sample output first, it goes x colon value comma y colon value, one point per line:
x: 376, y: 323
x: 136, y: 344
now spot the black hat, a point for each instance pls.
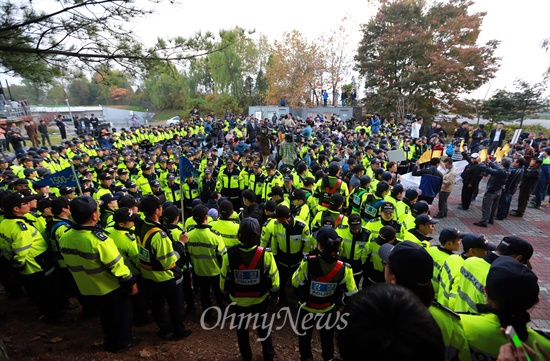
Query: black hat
x: 58, y: 204
x: 207, y: 171
x: 409, y: 262
x: 355, y: 222
x: 476, y: 241
x: 387, y: 207
x: 145, y: 166
x: 419, y: 208
x: 387, y: 233
x: 297, y: 194
x: 225, y: 208
x: 83, y: 206
x: 20, y: 182
x: 328, y: 238
x: 276, y: 191
x: 30, y: 195
x: 513, y: 245
x: 124, y: 214
x: 449, y: 234
x: 412, y: 193
x: 155, y: 184
x: 511, y: 284
x: 249, y: 228
x: 282, y: 212
x: 28, y: 171
x: 424, y: 219
x: 122, y: 171
x: 149, y: 204
x: 171, y: 177
x: 270, y: 206
x: 15, y: 199
x: 131, y: 184
x: 104, y: 176
x: 199, y: 212
x: 43, y: 204
x: 336, y: 200
x: 108, y: 198
x: 66, y: 190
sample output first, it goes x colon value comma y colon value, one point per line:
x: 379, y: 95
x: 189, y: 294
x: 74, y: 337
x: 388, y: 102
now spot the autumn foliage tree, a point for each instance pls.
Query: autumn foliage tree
x: 294, y: 71
x: 423, y: 55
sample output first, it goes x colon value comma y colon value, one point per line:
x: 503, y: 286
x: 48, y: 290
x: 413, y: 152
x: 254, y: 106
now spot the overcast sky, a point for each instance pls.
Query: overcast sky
x: 520, y: 25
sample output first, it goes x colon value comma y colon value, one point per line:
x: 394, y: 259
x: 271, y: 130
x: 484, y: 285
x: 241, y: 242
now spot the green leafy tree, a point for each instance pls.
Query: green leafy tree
x: 293, y: 70
x: 40, y: 43
x: 526, y: 100
x: 165, y: 88
x: 79, y: 91
x: 416, y: 54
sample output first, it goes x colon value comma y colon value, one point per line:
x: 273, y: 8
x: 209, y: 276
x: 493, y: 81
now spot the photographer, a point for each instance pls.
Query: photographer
x: 15, y: 138
x: 463, y: 132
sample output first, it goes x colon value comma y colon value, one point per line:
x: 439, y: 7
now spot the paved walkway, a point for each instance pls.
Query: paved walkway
x: 533, y: 227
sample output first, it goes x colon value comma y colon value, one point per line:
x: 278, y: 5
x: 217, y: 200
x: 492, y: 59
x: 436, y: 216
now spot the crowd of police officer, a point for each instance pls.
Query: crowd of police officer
x: 136, y: 236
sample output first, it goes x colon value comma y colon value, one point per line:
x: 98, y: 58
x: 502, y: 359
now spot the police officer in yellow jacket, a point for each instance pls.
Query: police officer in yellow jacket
x: 230, y: 183
x: 471, y: 291
x: 100, y: 274
x: 512, y: 289
x: 409, y: 264
x: 27, y: 251
x: 424, y: 226
x: 450, y: 242
x: 355, y: 240
x: 473, y: 245
x: 290, y: 240
x: 159, y: 269
x: 227, y: 226
x: 321, y: 279
x: 206, y: 248
x: 249, y: 276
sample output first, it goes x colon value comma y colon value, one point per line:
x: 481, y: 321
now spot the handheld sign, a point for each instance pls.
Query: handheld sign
x: 64, y: 178
x: 186, y: 169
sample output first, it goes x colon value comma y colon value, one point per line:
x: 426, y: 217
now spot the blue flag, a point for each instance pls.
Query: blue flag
x: 186, y: 169
x: 64, y: 178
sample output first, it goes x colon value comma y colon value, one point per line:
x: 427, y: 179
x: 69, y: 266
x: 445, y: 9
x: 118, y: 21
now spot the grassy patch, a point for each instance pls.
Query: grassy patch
x: 167, y: 114
x: 135, y: 108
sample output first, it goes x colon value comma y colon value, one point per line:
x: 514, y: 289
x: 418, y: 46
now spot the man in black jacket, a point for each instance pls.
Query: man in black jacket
x: 251, y: 208
x: 472, y: 175
x: 516, y: 174
x: 477, y: 137
x: 43, y: 129
x: 497, y: 137
x: 527, y: 186
x: 495, y: 185
x: 463, y: 132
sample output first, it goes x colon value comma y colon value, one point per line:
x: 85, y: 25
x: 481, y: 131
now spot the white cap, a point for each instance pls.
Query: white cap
x: 474, y: 155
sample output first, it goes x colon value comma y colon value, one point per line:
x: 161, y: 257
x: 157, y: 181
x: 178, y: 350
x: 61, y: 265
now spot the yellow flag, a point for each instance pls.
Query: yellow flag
x: 426, y: 157
x: 499, y: 154
x: 483, y: 155
x: 437, y: 153
x: 505, y: 149
x: 462, y: 146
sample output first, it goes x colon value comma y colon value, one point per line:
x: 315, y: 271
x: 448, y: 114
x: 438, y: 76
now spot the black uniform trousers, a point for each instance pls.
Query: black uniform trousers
x: 243, y: 334
x: 285, y: 275
x: 115, y: 315
x: 326, y: 322
x: 466, y: 195
x: 206, y: 284
x: 168, y: 292
x: 46, y: 292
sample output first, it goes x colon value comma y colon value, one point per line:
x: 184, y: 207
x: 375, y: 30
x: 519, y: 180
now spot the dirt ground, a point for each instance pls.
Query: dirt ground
x: 28, y: 338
